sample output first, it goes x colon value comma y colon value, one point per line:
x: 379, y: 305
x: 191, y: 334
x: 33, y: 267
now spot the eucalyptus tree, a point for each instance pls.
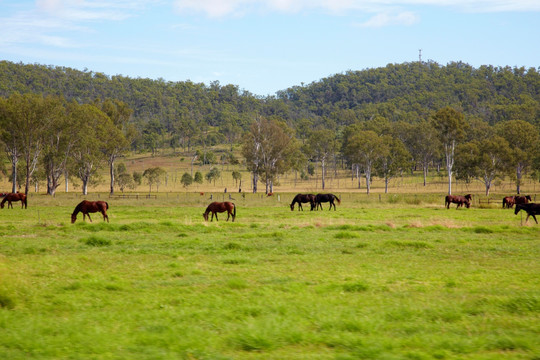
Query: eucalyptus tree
x: 393, y: 159
x: 58, y: 143
x: 524, y: 139
x: 93, y: 129
x: 484, y: 159
x: 25, y: 119
x: 450, y: 126
x: 119, y: 139
x: 153, y: 176
x: 267, y: 148
x: 365, y: 148
x: 321, y: 145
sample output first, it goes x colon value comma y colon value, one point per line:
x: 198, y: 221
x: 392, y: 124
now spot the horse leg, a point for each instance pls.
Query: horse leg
x: 105, y: 217
x: 534, y: 217
x: 300, y: 206
x: 228, y: 215
x: 89, y: 218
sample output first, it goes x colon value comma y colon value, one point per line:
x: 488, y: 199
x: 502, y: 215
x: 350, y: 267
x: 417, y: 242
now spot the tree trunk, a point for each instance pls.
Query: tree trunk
x: 255, y: 180
x: 14, y: 162
x: 322, y: 176
x: 111, y: 171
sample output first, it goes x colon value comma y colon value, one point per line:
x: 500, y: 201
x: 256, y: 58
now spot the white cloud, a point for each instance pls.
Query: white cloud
x: 386, y: 19
x: 221, y: 8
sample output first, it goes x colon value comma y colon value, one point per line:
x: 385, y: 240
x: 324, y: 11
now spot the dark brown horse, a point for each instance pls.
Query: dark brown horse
x: 459, y: 200
x: 87, y: 207
x: 14, y: 197
x: 532, y: 209
x: 522, y: 199
x: 320, y: 198
x: 303, y: 198
x: 220, y: 207
x: 508, y: 202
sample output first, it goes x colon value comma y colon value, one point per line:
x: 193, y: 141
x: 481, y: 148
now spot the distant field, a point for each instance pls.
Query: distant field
x: 176, y: 164
x: 396, y: 277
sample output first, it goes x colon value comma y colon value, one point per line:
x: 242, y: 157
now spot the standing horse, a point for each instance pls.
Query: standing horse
x: 87, y: 207
x: 522, y: 199
x: 220, y: 207
x: 320, y: 198
x: 303, y: 198
x: 14, y: 197
x: 459, y: 200
x: 508, y: 202
x: 532, y: 209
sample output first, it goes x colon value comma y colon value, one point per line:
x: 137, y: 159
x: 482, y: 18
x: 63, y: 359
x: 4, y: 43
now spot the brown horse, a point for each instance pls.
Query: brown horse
x: 87, y: 207
x: 320, y: 198
x: 508, y: 202
x: 220, y: 207
x: 532, y: 209
x: 459, y: 200
x: 303, y: 198
x: 522, y: 199
x: 14, y: 197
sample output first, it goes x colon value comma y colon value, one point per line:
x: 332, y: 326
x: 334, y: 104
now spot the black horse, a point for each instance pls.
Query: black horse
x: 532, y: 209
x: 303, y: 198
x: 320, y: 198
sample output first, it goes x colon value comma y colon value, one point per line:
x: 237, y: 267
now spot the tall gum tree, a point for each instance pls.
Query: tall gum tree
x: 267, y: 148
x: 450, y: 125
x: 524, y: 139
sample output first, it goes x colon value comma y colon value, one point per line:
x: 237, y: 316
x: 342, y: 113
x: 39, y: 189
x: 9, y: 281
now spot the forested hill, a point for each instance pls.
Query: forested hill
x: 412, y: 90
x: 407, y: 92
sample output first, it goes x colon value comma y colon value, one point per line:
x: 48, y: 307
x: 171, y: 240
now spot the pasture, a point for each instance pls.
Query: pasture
x: 391, y: 277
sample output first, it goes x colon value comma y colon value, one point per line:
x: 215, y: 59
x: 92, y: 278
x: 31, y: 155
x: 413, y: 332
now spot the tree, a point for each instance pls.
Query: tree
x: 365, y: 148
x: 153, y: 176
x: 24, y: 120
x: 237, y: 176
x: 267, y: 148
x: 198, y: 178
x: 186, y: 180
x: 450, y: 125
x: 92, y: 126
x: 58, y: 143
x: 524, y: 140
x: 393, y: 159
x: 213, y: 175
x: 494, y: 159
x: 321, y: 144
x: 118, y: 140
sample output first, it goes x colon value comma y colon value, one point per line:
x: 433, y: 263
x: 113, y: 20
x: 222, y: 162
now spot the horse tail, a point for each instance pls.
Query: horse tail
x: 234, y: 211
x: 106, y: 205
x: 338, y: 201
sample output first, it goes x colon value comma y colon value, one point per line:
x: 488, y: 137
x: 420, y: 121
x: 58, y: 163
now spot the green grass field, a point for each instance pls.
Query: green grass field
x: 395, y: 277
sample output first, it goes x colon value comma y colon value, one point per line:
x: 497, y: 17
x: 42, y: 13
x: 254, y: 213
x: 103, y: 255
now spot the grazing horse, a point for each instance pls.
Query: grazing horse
x: 532, y: 209
x: 522, y: 199
x: 320, y: 198
x: 508, y: 202
x: 303, y: 198
x: 220, y: 207
x: 14, y: 197
x: 459, y: 200
x: 87, y: 207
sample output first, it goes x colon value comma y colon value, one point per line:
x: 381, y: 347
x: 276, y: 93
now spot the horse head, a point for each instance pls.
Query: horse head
x: 73, y: 218
x: 205, y: 216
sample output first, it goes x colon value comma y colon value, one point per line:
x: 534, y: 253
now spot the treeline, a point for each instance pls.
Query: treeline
x: 478, y: 123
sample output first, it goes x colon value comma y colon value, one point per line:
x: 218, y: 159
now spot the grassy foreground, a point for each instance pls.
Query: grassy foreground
x: 390, y: 278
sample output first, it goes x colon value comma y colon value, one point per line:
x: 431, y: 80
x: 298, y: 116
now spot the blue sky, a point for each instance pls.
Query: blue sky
x: 265, y: 45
